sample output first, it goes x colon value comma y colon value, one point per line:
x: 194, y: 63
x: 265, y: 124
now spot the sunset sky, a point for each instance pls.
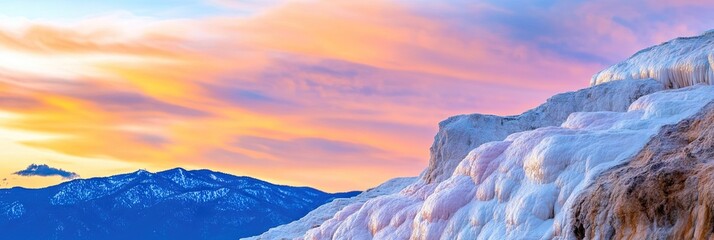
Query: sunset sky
x: 338, y: 95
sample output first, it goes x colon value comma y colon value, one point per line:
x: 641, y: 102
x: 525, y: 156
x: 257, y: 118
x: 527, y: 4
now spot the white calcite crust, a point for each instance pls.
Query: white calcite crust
x: 316, y: 217
x: 460, y: 134
x: 522, y: 186
x: 681, y: 62
x: 517, y: 177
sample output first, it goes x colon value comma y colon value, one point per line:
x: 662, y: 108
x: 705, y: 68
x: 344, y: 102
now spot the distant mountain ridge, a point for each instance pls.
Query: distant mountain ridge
x: 172, y: 204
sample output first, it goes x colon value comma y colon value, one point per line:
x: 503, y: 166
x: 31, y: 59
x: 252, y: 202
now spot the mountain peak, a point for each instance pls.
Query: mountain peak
x: 142, y: 172
x: 178, y: 170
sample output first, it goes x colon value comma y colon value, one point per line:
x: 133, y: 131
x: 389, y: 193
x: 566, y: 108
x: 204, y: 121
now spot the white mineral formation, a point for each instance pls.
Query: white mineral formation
x: 681, y: 62
x: 460, y: 134
x: 622, y: 159
x: 523, y: 186
x: 316, y: 217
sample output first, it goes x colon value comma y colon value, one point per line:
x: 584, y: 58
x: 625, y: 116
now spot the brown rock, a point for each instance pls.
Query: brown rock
x: 665, y: 192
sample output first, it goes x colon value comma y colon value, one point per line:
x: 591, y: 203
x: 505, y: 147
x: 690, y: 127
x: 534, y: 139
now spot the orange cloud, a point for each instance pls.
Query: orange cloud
x: 302, y: 92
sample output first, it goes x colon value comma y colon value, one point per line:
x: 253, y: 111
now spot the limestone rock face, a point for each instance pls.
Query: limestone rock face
x: 630, y: 159
x: 522, y: 187
x: 665, y: 192
x: 460, y: 134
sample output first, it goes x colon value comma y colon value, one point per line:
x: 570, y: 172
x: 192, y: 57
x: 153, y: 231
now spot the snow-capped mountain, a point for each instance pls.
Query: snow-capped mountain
x: 628, y: 159
x: 173, y: 204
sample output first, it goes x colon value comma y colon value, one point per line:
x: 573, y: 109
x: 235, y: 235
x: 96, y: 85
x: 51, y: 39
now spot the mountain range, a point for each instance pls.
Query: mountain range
x: 172, y: 204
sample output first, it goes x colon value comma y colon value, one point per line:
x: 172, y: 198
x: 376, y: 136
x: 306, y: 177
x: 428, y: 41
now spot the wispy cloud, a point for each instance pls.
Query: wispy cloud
x: 43, y: 170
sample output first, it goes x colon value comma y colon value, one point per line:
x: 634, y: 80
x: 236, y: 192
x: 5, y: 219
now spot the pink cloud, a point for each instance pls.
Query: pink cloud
x: 356, y: 84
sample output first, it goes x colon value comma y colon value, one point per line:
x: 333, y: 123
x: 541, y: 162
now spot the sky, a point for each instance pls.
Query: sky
x: 334, y: 94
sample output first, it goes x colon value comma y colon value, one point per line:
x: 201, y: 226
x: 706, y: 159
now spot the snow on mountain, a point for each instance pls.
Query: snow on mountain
x: 325, y: 212
x: 681, y: 62
x: 12, y: 210
x: 173, y: 204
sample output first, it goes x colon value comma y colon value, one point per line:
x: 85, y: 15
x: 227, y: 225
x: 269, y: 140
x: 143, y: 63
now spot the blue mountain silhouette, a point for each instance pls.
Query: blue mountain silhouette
x: 173, y: 204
